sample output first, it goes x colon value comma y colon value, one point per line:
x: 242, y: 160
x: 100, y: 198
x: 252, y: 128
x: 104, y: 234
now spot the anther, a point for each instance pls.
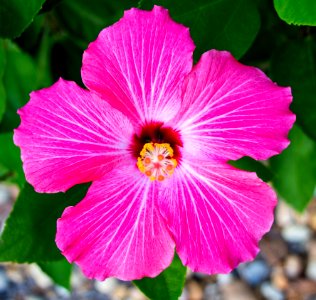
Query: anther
x: 156, y: 161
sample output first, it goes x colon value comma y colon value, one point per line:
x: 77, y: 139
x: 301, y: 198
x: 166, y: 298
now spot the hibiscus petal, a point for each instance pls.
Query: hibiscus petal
x: 117, y: 229
x: 231, y: 110
x: 217, y: 215
x: 139, y: 63
x: 67, y: 137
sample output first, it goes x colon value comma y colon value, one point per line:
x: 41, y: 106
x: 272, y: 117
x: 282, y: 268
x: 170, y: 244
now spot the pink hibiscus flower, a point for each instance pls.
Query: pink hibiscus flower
x: 154, y: 134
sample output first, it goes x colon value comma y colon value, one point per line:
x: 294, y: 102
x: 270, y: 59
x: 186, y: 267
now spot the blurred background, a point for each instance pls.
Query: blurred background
x: 41, y: 41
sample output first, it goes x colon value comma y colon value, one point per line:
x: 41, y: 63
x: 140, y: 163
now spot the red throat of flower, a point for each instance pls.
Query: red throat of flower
x: 157, y: 150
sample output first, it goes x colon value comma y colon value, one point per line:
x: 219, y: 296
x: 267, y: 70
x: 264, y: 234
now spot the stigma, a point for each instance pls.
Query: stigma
x: 156, y: 161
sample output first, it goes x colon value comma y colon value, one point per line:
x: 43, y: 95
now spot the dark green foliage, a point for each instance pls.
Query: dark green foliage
x: 216, y: 24
x: 295, y: 170
x: 29, y: 233
x: 248, y: 164
x: 11, y: 164
x: 2, y: 91
x: 294, y: 65
x: 16, y: 15
x: 168, y: 285
x: 59, y: 271
x: 19, y: 80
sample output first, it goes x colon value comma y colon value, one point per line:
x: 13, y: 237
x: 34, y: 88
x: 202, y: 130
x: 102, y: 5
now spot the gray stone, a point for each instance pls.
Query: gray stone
x: 296, y: 234
x: 106, y: 287
x: 255, y: 272
x: 3, y: 281
x: 270, y: 292
x: 293, y: 266
x: 311, y: 269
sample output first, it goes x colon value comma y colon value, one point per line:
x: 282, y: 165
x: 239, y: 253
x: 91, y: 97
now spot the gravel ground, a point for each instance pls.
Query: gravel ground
x: 284, y: 269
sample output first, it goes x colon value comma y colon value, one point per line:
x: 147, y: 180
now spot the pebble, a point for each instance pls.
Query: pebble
x: 312, y: 249
x: 293, y: 266
x: 278, y: 278
x: 273, y: 248
x: 79, y: 282
x: 312, y: 221
x: 199, y: 276
x: 185, y: 294
x: 5, y: 204
x: 94, y: 295
x: 284, y: 215
x: 135, y: 294
x: 254, y: 273
x: 312, y: 214
x: 296, y: 234
x: 223, y: 279
x: 211, y: 291
x: 76, y: 279
x: 302, y: 289
x: 236, y: 290
x: 40, y: 278
x: 270, y: 292
x: 16, y: 273
x: 311, y: 269
x: 4, y: 194
x: 62, y: 292
x: 107, y: 286
x: 311, y: 261
x: 4, y: 283
x: 121, y: 292
x: 195, y: 291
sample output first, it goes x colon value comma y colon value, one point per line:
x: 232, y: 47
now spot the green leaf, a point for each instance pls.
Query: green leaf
x: 30, y: 38
x: 295, y: 170
x: 23, y: 74
x: 59, y: 271
x: 49, y: 5
x: 248, y: 164
x: 10, y: 159
x: 2, y: 91
x: 16, y: 15
x: 67, y: 60
x: 168, y: 285
x: 44, y: 76
x: 297, y: 12
x: 88, y: 18
x: 220, y: 24
x: 271, y: 35
x: 29, y: 233
x: 19, y: 80
x: 294, y: 64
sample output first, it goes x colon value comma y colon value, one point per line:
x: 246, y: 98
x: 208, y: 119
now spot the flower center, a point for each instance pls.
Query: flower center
x: 156, y: 161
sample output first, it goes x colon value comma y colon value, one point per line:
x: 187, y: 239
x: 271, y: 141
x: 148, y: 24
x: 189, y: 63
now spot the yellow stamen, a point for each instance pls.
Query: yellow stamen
x: 156, y: 161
